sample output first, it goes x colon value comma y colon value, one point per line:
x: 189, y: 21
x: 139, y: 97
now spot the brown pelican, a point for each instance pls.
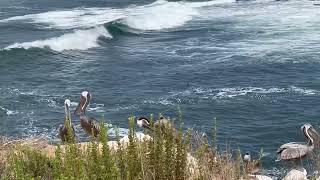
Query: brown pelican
x: 296, y: 150
x: 67, y: 126
x: 89, y: 124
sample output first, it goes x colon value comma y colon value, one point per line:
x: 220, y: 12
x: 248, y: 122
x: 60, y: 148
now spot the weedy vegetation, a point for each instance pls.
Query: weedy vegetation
x: 169, y: 153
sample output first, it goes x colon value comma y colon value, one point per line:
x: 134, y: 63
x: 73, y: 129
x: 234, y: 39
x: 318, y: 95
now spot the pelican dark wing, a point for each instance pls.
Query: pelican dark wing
x: 293, y: 150
x: 64, y: 134
x: 90, y: 125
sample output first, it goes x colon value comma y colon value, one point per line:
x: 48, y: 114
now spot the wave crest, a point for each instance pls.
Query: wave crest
x: 156, y: 16
x: 78, y: 40
x: 160, y: 15
x: 153, y: 17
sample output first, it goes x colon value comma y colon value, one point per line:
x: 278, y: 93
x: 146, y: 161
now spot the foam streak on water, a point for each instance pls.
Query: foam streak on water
x: 220, y: 93
x: 70, y: 19
x: 8, y: 112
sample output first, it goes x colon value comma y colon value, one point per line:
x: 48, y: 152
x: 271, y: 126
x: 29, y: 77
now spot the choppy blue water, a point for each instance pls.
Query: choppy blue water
x: 253, y: 65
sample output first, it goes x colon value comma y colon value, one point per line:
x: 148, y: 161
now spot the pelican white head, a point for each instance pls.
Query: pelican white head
x: 305, y: 129
x: 67, y: 103
x: 84, y: 102
x: 85, y: 94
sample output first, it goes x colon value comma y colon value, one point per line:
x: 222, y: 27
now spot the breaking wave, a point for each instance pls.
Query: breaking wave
x: 78, y: 40
x: 71, y: 19
x: 153, y: 17
x: 158, y: 15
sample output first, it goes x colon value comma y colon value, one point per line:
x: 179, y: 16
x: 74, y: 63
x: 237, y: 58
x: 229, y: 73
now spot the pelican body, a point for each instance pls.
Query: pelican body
x: 297, y: 150
x: 89, y: 124
x: 67, y: 127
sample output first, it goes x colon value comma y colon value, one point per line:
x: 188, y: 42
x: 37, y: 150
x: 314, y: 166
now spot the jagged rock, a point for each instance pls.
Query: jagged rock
x: 139, y: 137
x: 296, y: 174
x: 259, y: 177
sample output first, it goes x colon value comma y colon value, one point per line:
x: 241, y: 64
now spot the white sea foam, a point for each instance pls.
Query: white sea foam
x: 69, y: 19
x: 8, y: 112
x: 160, y: 15
x: 303, y: 91
x: 121, y: 132
x: 156, y: 16
x: 243, y: 91
x: 18, y: 7
x: 49, y: 101
x: 199, y: 94
x: 165, y: 15
x: 161, y: 101
x: 96, y: 108
x: 120, y: 108
x: 17, y: 92
x: 78, y: 40
x: 210, y: 3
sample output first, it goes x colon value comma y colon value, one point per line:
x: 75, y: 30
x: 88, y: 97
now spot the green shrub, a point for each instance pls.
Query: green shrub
x: 163, y: 156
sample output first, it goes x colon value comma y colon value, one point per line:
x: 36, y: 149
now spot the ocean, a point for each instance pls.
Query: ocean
x: 252, y: 65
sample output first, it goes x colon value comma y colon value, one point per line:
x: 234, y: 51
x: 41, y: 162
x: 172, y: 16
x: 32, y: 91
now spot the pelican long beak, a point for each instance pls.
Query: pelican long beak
x: 314, y: 134
x: 68, y: 113
x: 81, y: 106
x: 67, y: 109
